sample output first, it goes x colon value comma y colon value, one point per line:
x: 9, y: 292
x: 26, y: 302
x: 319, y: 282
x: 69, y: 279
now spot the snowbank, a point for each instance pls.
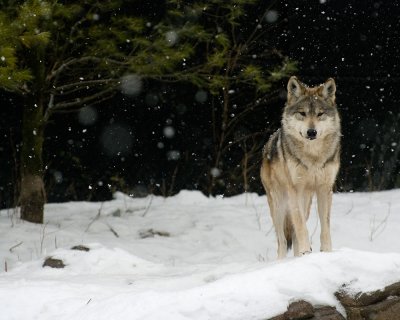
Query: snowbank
x: 189, y: 257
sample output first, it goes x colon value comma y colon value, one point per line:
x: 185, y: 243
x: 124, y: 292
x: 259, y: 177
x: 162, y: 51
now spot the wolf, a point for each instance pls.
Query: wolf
x: 300, y: 160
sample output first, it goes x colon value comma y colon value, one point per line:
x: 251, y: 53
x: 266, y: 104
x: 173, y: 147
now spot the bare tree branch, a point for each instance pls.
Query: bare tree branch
x: 81, y: 60
x: 96, y: 98
x: 79, y: 85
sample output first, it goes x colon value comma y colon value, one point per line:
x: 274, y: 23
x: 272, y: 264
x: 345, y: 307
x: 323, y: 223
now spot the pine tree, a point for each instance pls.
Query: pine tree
x: 61, y: 56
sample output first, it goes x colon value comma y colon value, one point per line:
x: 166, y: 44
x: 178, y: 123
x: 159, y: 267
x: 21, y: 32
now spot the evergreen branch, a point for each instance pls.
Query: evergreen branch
x: 72, y: 31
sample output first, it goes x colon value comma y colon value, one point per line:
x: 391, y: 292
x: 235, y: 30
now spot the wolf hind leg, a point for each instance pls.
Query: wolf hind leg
x: 288, y: 230
x: 278, y: 214
x: 281, y: 237
x: 296, y: 251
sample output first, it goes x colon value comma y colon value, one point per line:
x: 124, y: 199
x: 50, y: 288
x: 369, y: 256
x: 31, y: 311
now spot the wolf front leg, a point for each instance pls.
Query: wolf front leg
x: 324, y: 200
x: 304, y: 199
x: 298, y: 218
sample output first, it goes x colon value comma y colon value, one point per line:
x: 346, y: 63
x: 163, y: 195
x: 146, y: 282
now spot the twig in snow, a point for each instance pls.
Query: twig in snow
x: 148, y: 206
x: 270, y: 230
x: 17, y: 245
x: 42, y: 236
x: 258, y: 215
x: 133, y: 210
x: 377, y: 230
x: 95, y: 218
x: 260, y: 258
x: 112, y: 230
x: 89, y: 301
x: 351, y: 208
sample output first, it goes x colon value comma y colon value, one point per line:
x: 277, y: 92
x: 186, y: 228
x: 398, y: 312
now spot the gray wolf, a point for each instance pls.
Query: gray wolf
x: 301, y: 160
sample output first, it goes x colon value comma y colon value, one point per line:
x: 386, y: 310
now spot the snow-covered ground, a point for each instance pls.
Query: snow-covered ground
x: 188, y: 257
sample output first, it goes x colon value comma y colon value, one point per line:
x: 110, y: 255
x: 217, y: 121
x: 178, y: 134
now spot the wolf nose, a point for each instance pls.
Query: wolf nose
x: 311, y: 134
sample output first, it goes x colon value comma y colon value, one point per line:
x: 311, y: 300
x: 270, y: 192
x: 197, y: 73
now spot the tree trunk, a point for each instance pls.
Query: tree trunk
x: 32, y: 195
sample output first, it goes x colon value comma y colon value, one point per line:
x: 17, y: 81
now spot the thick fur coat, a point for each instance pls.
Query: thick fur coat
x: 301, y: 160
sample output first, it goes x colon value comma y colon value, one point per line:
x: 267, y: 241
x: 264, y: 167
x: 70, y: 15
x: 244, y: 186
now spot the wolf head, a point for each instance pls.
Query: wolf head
x: 310, y: 112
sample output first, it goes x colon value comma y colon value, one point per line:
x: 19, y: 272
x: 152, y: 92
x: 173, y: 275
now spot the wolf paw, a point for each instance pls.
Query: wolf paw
x: 306, y: 252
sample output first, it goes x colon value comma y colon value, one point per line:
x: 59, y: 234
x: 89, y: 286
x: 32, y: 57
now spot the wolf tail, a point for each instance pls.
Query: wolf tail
x: 288, y: 232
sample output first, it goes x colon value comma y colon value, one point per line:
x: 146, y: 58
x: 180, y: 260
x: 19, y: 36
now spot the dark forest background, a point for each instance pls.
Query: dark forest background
x: 160, y: 140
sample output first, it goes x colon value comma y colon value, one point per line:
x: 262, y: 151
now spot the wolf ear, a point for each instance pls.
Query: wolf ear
x: 295, y: 89
x: 329, y: 90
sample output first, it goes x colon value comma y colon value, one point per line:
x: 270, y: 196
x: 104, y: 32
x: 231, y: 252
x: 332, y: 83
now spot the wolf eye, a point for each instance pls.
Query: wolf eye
x: 303, y: 114
x: 320, y: 114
